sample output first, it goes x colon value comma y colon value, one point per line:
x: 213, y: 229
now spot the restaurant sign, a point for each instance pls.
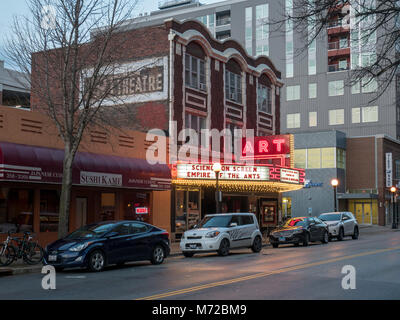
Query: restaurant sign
x: 100, y: 179
x: 228, y: 172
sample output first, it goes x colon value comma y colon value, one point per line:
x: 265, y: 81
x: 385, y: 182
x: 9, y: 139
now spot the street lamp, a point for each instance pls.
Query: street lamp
x: 394, y: 218
x: 334, y: 183
x: 217, y: 169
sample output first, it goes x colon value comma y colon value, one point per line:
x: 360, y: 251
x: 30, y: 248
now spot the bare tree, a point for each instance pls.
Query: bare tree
x: 70, y: 51
x: 374, y: 34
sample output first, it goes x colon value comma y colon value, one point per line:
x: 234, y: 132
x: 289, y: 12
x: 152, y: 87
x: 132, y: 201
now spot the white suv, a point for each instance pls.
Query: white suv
x: 221, y: 232
x: 340, y: 224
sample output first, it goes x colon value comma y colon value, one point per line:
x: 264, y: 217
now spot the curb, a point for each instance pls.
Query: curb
x: 7, y: 271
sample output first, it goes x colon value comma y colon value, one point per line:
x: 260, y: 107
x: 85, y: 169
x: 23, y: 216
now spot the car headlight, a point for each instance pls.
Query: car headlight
x: 80, y: 247
x: 212, y: 234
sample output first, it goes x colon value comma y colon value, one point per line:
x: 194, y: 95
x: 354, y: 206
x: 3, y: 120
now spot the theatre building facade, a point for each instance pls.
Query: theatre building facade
x: 180, y: 78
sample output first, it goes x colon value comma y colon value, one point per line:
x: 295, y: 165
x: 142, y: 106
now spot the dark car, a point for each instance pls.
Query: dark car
x: 300, y: 230
x: 97, y: 245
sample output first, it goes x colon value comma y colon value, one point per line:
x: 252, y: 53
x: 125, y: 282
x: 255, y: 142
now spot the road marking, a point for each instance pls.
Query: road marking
x: 262, y: 274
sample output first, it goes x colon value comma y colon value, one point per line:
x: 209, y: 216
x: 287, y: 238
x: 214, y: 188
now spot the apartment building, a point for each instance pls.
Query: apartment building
x: 317, y: 95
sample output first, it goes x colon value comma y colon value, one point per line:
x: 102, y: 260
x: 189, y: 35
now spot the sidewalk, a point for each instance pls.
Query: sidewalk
x: 20, y: 267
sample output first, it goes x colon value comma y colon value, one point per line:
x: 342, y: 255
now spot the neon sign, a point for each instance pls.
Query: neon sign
x: 266, y: 147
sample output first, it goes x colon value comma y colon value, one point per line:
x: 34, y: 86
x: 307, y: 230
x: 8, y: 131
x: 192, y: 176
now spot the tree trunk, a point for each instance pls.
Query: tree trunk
x: 65, y: 199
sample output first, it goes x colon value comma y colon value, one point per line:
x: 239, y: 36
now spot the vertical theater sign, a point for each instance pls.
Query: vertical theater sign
x: 253, y: 184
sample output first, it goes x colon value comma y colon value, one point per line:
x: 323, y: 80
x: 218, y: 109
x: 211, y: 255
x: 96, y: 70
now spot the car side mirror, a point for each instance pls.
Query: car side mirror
x: 233, y: 224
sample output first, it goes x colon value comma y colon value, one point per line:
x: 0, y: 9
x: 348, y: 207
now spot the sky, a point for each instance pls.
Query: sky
x: 11, y: 8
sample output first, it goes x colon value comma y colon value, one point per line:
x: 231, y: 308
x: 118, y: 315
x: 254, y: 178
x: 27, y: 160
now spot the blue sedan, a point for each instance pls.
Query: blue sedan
x: 97, y: 245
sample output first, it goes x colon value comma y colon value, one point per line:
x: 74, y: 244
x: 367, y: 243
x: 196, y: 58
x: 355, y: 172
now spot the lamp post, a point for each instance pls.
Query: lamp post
x: 394, y: 218
x: 334, y: 183
x: 217, y: 170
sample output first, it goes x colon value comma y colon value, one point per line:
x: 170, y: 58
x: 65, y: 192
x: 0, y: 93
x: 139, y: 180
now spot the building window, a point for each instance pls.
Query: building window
x: 312, y: 90
x: 293, y: 120
x: 108, y: 206
x: 341, y: 158
x: 355, y: 115
x: 397, y: 168
x: 262, y: 30
x: 300, y: 158
x: 249, y: 30
x: 234, y: 138
x: 195, y: 72
x: 336, y: 88
x: 233, y: 86
x: 355, y: 88
x: 312, y: 119
x: 336, y: 117
x: 328, y: 158
x: 16, y: 210
x: 370, y: 114
x: 369, y: 85
x: 289, y: 38
x: 49, y: 210
x: 196, y: 123
x: 264, y: 99
x: 314, y: 158
x: 293, y: 93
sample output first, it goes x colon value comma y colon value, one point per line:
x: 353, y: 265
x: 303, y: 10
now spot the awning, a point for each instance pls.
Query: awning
x: 44, y: 165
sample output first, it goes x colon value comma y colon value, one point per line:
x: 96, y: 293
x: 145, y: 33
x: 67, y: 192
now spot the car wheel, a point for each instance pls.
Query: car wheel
x: 325, y: 237
x: 341, y: 234
x: 97, y: 261
x: 306, y: 240
x: 257, y: 244
x: 224, y: 248
x: 188, y: 254
x: 158, y: 255
x: 355, y: 234
x: 275, y: 245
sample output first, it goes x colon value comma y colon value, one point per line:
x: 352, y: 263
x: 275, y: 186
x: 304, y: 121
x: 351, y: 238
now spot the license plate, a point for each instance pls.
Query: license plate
x: 192, y: 246
x: 282, y: 238
x: 52, y: 258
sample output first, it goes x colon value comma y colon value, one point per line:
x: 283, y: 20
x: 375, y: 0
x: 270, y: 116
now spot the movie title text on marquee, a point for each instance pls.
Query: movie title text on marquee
x: 228, y: 172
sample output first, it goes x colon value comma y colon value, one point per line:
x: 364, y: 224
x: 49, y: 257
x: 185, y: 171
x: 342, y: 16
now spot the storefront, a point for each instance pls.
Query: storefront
x: 104, y: 188
x: 244, y: 188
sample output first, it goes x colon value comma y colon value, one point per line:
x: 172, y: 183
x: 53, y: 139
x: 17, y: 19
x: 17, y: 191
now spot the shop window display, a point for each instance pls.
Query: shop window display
x: 187, y: 210
x: 49, y: 210
x: 107, y: 206
x: 16, y: 210
x: 137, y: 206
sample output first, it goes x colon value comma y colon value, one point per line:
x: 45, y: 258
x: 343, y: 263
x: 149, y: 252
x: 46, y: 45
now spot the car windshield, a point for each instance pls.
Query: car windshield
x: 295, y: 223
x: 91, y: 231
x: 330, y: 217
x: 215, y: 221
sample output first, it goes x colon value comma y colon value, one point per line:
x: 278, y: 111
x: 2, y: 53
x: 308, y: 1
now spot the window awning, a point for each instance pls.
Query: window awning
x: 26, y: 163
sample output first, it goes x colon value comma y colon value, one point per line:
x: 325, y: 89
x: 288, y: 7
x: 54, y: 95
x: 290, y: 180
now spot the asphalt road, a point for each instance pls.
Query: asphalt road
x: 288, y: 272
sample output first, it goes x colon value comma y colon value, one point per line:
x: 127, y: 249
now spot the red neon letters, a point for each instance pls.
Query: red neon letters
x: 266, y: 146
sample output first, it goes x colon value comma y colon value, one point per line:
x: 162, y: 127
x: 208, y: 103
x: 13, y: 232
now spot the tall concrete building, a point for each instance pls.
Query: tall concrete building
x: 317, y: 95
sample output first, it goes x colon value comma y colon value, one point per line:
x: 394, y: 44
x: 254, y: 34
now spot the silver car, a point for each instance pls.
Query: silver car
x: 341, y: 224
x: 222, y: 232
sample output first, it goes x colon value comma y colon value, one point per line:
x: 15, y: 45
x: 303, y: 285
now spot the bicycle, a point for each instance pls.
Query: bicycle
x: 31, y: 252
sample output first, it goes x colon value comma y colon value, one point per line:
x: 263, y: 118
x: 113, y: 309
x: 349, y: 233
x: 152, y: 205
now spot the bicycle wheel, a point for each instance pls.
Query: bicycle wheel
x: 7, y: 255
x: 33, y: 254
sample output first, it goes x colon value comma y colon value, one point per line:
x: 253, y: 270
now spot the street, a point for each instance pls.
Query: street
x: 288, y: 272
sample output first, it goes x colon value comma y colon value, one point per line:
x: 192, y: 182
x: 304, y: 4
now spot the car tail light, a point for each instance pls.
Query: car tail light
x: 166, y: 234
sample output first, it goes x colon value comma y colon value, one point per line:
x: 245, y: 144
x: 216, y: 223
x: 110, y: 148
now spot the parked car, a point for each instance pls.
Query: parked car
x: 97, y: 245
x: 222, y: 232
x: 300, y: 230
x: 341, y: 224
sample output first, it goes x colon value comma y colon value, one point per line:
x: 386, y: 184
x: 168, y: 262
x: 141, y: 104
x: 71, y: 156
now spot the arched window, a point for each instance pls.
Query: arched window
x: 195, y: 70
x: 233, y: 81
x: 264, y: 94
